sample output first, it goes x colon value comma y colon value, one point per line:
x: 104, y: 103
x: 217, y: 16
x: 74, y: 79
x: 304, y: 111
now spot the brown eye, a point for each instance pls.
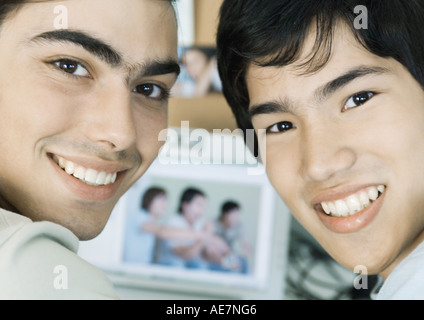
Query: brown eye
x: 281, y: 127
x: 152, y: 91
x: 72, y: 67
x: 68, y: 66
x: 358, y: 99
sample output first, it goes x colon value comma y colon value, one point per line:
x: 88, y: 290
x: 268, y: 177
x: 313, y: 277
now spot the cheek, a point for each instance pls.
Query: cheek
x: 37, y: 109
x: 282, y: 170
x: 396, y: 135
x: 148, y: 127
x: 31, y: 116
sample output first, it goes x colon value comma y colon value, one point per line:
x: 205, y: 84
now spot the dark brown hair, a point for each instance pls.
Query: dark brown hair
x: 150, y: 195
x: 272, y: 33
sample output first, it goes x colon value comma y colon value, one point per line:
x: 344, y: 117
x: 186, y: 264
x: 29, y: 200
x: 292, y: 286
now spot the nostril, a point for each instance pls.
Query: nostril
x: 109, y: 144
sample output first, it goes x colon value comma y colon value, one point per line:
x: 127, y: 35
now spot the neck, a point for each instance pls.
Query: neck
x: 407, y: 250
x: 6, y: 205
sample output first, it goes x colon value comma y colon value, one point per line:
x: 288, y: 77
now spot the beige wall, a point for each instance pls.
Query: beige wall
x: 210, y: 112
x: 206, y: 21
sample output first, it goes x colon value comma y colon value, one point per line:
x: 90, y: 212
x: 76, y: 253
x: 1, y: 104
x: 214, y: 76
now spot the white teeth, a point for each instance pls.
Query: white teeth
x: 325, y: 208
x: 364, y: 199
x: 108, y: 179
x: 353, y: 203
x: 332, y: 207
x: 342, y: 209
x: 89, y: 176
x: 79, y: 173
x: 373, y: 193
x: 69, y: 167
x: 101, y: 177
x: 62, y: 162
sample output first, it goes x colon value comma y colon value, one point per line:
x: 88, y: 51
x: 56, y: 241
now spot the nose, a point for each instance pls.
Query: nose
x: 110, y: 121
x: 326, y: 153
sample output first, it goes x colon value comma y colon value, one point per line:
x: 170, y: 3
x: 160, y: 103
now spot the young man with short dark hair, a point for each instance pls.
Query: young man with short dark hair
x: 83, y: 97
x: 338, y: 108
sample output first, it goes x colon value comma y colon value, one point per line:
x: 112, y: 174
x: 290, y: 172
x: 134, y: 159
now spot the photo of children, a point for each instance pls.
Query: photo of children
x: 188, y: 225
x: 199, y: 73
x: 197, y: 252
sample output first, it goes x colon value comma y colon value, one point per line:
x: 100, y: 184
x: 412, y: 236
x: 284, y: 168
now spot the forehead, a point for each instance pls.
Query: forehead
x: 346, y: 54
x: 198, y: 198
x: 290, y: 83
x: 137, y: 28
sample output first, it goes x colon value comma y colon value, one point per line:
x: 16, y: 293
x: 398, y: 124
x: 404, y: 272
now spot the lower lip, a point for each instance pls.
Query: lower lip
x: 85, y: 191
x: 355, y: 222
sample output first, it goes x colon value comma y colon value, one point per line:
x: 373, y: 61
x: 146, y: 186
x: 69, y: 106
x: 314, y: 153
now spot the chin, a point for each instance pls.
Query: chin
x: 371, y: 264
x: 86, y: 234
x: 84, y: 228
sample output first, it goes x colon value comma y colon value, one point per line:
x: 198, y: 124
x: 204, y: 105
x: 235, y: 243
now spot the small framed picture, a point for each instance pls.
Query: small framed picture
x: 199, y: 73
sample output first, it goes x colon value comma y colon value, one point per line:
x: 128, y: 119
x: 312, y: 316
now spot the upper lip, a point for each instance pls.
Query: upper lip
x: 339, y: 193
x: 94, y: 163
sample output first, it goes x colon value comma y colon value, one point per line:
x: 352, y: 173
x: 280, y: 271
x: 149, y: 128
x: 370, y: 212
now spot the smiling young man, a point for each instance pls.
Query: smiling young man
x: 81, y: 109
x: 342, y: 111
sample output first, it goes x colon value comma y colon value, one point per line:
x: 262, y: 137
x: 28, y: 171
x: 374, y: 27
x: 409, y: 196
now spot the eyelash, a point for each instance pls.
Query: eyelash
x: 163, y: 95
x: 56, y: 63
x: 359, y: 95
x: 285, y: 126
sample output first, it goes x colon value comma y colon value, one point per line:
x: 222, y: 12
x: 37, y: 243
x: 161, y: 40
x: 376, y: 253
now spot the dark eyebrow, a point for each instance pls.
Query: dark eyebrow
x: 271, y: 107
x: 157, y: 67
x: 95, y: 46
x: 321, y: 94
x: 106, y: 53
x: 325, y: 91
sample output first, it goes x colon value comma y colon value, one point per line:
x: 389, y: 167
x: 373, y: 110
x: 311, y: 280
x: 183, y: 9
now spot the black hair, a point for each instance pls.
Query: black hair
x: 272, y: 33
x: 150, y: 195
x: 188, y: 195
x: 227, y: 207
x: 7, y: 6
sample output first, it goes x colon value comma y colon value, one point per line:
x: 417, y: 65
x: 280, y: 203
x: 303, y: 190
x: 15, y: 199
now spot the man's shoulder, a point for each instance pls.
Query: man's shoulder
x: 406, y: 282
x: 10, y: 222
x: 38, y: 260
x: 15, y: 228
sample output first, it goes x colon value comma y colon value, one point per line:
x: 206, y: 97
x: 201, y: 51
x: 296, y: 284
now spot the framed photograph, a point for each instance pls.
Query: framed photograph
x: 199, y: 75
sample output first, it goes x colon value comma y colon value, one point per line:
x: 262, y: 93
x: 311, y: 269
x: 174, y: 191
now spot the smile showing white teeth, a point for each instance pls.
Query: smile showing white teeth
x: 353, y: 203
x: 89, y: 176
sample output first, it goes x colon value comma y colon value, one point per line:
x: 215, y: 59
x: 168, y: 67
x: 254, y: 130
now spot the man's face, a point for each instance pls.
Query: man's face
x: 347, y: 140
x: 81, y: 108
